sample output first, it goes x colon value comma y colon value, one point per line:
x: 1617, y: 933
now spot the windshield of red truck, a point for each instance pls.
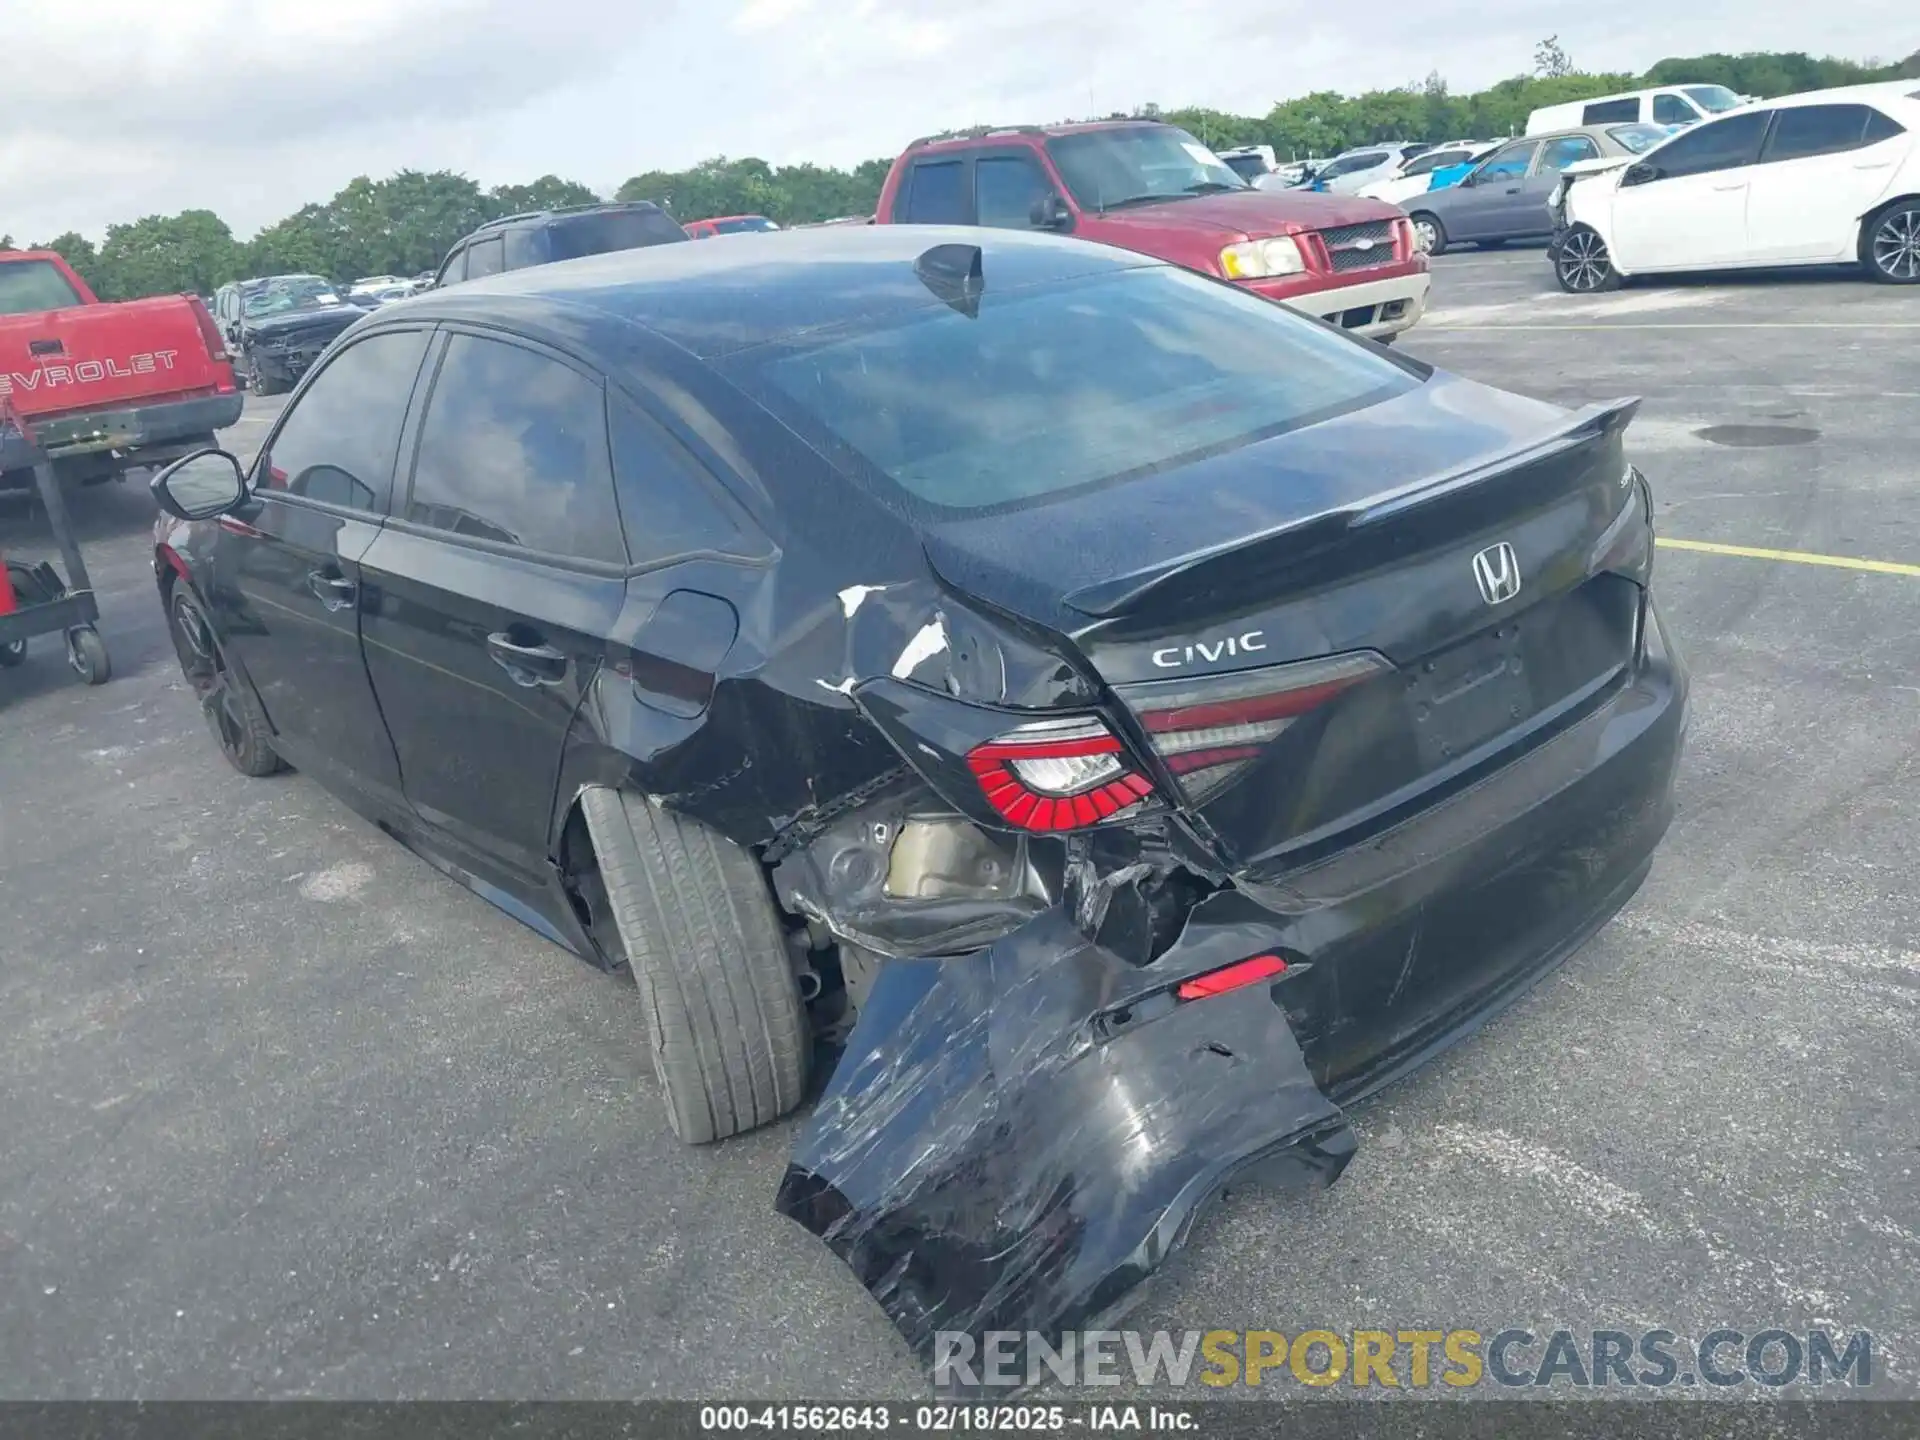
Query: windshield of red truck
x: 30, y: 285
x: 1138, y: 164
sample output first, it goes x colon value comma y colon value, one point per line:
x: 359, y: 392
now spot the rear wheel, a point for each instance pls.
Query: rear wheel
x: 1429, y: 235
x: 731, y: 1042
x: 12, y: 655
x: 1890, y: 244
x: 1581, y: 263
x: 233, y: 712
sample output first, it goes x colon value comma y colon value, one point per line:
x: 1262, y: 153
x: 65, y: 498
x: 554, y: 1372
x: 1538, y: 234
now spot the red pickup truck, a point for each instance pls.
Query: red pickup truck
x: 103, y: 388
x: 1146, y: 186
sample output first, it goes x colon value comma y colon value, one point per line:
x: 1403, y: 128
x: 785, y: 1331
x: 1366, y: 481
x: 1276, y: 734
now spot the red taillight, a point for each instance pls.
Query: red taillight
x: 209, y: 332
x: 1210, y: 728
x: 1058, y: 774
x: 1232, y: 977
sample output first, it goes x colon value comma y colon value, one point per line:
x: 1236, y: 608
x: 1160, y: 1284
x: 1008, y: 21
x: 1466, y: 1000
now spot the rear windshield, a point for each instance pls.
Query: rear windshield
x: 1637, y: 139
x: 29, y: 285
x: 1049, y: 390
x: 616, y: 230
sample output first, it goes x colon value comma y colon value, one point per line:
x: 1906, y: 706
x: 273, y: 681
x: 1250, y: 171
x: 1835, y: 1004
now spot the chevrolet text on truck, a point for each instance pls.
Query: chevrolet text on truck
x: 103, y: 388
x: 1150, y: 187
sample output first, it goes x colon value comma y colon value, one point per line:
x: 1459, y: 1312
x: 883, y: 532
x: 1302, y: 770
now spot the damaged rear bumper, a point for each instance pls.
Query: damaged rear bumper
x: 1017, y: 1137
x: 1007, y: 1158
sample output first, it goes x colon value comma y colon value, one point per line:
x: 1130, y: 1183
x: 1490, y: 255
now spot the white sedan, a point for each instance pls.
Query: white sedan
x: 1824, y: 178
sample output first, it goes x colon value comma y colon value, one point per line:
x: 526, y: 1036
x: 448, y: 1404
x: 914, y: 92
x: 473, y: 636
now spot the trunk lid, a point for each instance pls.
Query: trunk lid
x: 1301, y: 630
x: 93, y: 357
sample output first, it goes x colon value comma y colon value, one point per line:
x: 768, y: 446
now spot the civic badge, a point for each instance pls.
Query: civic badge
x: 1497, y: 571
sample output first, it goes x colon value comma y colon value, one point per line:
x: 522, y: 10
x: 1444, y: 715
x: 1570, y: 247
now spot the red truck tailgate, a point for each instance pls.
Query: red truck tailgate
x: 89, y: 357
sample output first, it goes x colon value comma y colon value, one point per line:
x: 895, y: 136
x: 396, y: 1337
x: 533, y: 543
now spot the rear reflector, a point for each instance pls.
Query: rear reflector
x: 1232, y: 977
x: 1210, y: 728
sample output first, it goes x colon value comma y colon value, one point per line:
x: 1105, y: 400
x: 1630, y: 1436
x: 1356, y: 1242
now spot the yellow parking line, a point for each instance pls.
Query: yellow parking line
x: 1796, y: 557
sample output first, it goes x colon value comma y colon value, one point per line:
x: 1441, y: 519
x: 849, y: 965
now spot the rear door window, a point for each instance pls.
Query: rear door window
x: 1881, y: 126
x: 338, y: 441
x: 935, y: 195
x: 1800, y: 131
x: 1609, y: 112
x: 513, y: 449
x: 667, y: 503
x: 1556, y: 155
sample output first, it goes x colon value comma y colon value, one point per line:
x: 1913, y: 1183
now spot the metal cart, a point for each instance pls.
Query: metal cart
x: 33, y: 598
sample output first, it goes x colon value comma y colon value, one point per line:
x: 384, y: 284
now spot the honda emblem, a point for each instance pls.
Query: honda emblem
x: 1497, y: 572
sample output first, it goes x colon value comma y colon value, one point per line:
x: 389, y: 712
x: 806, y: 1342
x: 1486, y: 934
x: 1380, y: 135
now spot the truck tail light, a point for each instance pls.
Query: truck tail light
x: 1058, y: 774
x: 209, y: 332
x: 1211, y: 728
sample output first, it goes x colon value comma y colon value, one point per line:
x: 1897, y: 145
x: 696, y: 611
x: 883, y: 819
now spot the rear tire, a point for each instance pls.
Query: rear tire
x: 1890, y: 244
x: 1582, y: 264
x: 1429, y: 235
x: 730, y: 1038
x: 12, y: 655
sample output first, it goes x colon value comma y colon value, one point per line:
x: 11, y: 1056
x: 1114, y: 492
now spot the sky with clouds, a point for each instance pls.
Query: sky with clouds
x: 115, y: 109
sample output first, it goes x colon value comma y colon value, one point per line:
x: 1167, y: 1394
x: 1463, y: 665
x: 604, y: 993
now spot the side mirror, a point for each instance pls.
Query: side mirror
x: 1050, y: 212
x: 205, y: 484
x: 1640, y: 173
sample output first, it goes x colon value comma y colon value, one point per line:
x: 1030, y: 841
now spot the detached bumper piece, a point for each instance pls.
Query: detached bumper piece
x: 1008, y: 1146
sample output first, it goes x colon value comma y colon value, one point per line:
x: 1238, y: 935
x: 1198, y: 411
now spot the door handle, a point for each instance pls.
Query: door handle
x: 335, y: 592
x: 529, y: 665
x: 1736, y: 185
x: 1873, y: 165
x: 1514, y: 190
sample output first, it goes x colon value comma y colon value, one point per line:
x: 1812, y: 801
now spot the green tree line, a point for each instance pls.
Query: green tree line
x: 406, y: 223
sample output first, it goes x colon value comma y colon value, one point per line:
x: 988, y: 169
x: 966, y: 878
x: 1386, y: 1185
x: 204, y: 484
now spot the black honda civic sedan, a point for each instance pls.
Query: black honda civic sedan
x: 1112, y: 720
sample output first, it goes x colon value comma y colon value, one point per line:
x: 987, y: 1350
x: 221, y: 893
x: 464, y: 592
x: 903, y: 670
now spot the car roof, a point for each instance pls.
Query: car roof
x: 760, y: 288
x: 1589, y: 132
x: 1895, y: 93
x: 561, y: 212
x: 959, y: 139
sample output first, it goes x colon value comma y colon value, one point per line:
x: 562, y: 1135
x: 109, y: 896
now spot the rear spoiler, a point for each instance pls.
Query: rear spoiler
x: 1318, y: 532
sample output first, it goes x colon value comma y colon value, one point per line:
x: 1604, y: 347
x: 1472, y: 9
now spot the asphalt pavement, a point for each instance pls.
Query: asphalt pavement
x: 287, y: 1113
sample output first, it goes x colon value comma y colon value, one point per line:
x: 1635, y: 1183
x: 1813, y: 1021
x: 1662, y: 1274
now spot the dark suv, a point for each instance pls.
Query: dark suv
x: 539, y: 237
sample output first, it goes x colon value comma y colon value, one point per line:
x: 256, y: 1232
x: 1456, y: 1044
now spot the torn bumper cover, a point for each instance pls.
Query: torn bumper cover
x: 1015, y: 1138
x: 1009, y: 1146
